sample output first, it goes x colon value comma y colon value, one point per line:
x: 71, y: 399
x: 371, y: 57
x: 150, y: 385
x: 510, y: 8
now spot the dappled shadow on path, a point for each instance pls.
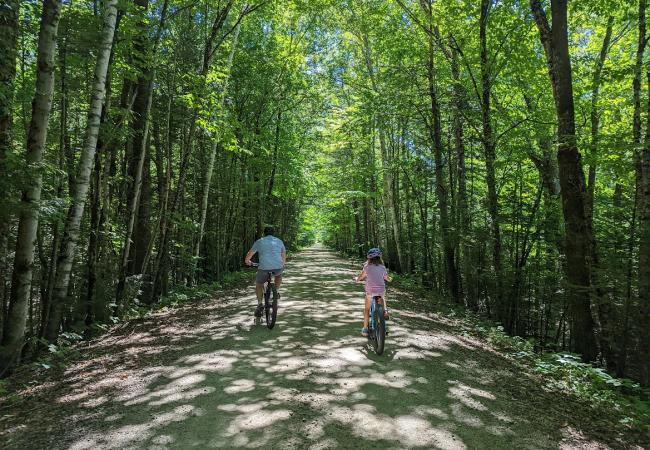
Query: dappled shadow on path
x: 207, y: 377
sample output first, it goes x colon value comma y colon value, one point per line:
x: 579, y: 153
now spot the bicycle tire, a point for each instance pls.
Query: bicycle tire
x: 380, y: 330
x: 372, y: 341
x: 272, y: 310
x: 266, y: 296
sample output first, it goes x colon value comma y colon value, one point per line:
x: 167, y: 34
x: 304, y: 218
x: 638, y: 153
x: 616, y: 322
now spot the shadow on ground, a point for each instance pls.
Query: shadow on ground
x: 207, y: 377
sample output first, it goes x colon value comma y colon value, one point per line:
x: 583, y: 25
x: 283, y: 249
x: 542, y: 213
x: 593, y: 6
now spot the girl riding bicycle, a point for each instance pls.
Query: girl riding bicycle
x: 375, y: 273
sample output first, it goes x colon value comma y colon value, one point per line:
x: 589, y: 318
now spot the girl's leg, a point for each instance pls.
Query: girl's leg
x: 366, y: 311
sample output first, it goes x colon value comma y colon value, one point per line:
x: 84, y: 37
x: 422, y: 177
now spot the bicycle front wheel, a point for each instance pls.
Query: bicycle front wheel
x: 380, y: 330
x: 272, y: 310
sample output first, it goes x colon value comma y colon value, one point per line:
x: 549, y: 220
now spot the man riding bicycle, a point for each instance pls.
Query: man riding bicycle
x: 273, y: 257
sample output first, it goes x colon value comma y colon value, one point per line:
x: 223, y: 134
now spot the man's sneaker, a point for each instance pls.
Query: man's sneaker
x: 258, y: 311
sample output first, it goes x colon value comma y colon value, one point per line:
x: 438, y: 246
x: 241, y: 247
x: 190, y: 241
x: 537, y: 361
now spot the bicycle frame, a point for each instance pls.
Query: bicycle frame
x: 270, y: 308
x: 376, y: 300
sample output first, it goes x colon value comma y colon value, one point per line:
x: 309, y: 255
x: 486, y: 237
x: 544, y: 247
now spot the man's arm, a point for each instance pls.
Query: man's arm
x: 284, y: 257
x: 249, y: 255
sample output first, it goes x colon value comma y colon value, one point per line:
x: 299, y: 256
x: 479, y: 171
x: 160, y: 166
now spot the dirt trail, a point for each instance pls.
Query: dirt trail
x: 205, y: 376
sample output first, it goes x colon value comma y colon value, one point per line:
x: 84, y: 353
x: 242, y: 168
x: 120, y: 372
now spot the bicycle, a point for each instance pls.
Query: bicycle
x: 270, y: 307
x: 377, y: 330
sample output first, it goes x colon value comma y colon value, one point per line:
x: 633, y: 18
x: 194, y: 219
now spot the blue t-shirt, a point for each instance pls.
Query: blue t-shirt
x: 270, y: 251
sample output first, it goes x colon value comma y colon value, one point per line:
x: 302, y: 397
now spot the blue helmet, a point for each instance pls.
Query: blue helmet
x: 374, y: 252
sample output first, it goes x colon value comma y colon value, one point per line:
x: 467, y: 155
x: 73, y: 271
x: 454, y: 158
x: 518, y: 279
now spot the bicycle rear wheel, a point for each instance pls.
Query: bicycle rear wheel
x: 272, y: 309
x: 380, y: 330
x: 372, y: 339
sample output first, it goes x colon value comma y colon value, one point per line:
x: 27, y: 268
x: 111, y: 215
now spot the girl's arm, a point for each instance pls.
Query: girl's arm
x: 361, y: 276
x: 387, y: 277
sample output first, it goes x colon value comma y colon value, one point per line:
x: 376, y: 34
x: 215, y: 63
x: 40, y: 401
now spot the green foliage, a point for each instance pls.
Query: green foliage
x: 57, y: 355
x: 567, y: 373
x: 181, y: 295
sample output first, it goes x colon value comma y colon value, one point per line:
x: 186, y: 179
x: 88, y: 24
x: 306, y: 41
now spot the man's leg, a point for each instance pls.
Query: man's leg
x: 259, y: 290
x: 278, y: 281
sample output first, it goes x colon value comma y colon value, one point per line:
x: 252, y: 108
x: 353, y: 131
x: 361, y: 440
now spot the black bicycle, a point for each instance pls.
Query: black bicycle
x: 377, y: 325
x: 271, y: 298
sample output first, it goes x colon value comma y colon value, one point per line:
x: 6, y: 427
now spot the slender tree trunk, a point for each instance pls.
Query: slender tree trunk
x: 82, y: 179
x: 14, y: 332
x: 636, y: 83
x: 578, y: 236
x: 595, y: 116
x: 642, y: 199
x: 392, y: 229
x: 213, y: 152
x: 605, y: 314
x: 463, y: 218
x: 144, y: 95
x: 9, y: 30
x: 442, y: 191
x: 490, y: 159
x: 212, y: 44
x: 644, y: 254
x: 139, y: 192
x: 134, y: 201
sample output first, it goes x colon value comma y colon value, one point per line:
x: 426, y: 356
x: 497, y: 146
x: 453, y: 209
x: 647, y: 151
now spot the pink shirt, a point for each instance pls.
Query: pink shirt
x: 375, y: 283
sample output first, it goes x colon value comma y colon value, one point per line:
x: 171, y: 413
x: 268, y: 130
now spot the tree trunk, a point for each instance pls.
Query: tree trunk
x: 578, y: 236
x: 636, y: 83
x: 9, y: 30
x: 138, y: 148
x: 387, y: 194
x: 213, y: 152
x: 490, y: 159
x: 606, y: 314
x: 435, y: 133
x: 642, y: 195
x: 134, y: 201
x: 595, y: 116
x: 644, y: 254
x: 82, y: 179
x: 463, y: 217
x: 158, y: 271
x: 14, y: 332
x: 145, y: 96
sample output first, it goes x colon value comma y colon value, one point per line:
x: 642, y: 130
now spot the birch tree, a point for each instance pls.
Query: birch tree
x: 14, y: 333
x: 84, y: 169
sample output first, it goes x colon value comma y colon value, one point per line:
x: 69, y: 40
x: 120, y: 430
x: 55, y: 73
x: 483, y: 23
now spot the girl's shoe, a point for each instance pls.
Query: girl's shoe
x: 386, y: 315
x: 364, y: 332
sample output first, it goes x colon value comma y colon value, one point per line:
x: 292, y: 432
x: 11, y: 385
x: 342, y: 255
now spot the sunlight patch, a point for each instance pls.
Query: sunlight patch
x: 240, y: 386
x: 257, y: 420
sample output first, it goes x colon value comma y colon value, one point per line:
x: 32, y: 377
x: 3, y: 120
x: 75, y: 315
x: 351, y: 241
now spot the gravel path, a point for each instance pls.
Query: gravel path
x: 204, y: 376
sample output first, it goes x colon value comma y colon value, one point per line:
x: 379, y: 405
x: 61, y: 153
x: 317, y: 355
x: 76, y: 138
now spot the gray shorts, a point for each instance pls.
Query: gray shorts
x: 262, y: 275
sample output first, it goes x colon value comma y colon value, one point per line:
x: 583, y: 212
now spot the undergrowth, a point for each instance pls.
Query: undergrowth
x: 56, y: 356
x: 560, y: 371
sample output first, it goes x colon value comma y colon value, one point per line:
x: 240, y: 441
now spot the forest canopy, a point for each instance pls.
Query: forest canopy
x: 497, y: 150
